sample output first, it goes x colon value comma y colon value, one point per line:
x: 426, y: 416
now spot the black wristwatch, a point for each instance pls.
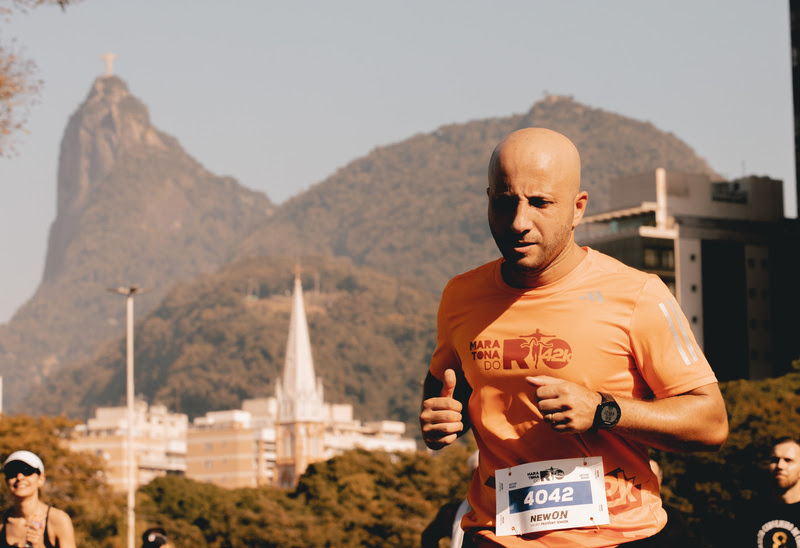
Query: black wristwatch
x: 607, y: 414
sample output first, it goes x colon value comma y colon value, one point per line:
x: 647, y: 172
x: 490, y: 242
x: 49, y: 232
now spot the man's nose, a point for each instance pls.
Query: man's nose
x: 522, y: 218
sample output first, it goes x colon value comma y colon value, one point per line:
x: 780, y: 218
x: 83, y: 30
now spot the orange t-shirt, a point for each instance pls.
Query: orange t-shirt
x: 605, y: 326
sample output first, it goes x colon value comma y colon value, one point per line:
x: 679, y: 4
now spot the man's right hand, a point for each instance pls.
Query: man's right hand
x: 440, y: 418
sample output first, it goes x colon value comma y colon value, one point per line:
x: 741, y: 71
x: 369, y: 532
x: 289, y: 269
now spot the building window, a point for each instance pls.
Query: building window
x: 751, y: 262
x: 668, y: 258
x: 763, y: 264
x: 694, y: 288
x: 753, y: 324
x: 694, y: 319
x: 209, y: 465
x: 752, y: 292
x: 693, y: 257
x: 754, y: 355
x: 651, y: 258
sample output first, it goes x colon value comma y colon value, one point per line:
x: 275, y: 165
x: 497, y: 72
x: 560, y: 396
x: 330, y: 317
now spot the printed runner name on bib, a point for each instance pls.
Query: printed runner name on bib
x: 549, y: 495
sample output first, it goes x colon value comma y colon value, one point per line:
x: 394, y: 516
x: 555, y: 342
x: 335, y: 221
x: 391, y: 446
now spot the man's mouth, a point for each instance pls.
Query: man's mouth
x: 522, y: 247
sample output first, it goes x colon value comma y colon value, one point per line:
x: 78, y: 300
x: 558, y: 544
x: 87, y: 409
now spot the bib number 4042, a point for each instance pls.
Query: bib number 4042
x: 545, y: 495
x: 540, y: 497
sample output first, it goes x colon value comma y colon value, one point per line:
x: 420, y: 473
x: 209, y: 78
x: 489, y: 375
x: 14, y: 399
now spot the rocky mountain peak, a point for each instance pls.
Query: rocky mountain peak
x: 109, y: 121
x: 133, y: 208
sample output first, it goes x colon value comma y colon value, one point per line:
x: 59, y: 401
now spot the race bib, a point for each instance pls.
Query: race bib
x: 549, y: 495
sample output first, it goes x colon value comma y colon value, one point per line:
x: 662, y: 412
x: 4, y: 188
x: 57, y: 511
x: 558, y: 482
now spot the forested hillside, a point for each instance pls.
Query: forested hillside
x: 222, y: 338
x: 417, y: 209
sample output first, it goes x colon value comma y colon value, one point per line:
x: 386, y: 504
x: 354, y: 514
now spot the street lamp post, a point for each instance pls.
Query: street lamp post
x: 129, y: 292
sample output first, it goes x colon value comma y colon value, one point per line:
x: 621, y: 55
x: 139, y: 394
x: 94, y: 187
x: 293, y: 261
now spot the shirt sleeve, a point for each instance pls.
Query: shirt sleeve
x: 664, y: 347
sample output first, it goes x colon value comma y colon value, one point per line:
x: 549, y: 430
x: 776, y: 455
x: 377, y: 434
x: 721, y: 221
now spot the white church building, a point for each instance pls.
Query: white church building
x: 291, y: 430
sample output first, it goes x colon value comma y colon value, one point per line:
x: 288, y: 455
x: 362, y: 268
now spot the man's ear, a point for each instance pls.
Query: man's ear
x: 579, y: 207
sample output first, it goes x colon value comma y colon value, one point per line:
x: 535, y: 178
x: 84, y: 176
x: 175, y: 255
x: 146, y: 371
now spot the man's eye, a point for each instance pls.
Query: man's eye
x: 504, y: 203
x: 538, y: 202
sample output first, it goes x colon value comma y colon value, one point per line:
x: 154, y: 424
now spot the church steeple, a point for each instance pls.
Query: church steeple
x: 299, y: 392
x: 300, y: 429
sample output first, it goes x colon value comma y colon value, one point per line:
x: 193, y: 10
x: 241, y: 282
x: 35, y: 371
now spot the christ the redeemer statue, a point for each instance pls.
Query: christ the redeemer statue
x: 109, y: 59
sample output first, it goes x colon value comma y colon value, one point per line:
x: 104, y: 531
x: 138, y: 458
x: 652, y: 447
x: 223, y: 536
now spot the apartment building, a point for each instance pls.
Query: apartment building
x: 726, y: 252
x: 159, y: 442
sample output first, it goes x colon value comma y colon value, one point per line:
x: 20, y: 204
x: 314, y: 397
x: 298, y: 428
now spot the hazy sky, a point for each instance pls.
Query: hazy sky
x: 281, y: 94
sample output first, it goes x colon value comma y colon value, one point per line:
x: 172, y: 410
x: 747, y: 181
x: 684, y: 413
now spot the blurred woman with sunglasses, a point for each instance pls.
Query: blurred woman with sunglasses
x: 31, y: 523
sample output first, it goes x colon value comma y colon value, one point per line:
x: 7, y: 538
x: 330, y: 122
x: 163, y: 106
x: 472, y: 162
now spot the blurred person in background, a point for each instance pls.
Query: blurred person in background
x: 776, y: 521
x: 155, y: 537
x: 31, y: 523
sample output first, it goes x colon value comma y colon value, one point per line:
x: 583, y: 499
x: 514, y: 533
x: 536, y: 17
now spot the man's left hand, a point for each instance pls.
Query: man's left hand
x: 568, y: 407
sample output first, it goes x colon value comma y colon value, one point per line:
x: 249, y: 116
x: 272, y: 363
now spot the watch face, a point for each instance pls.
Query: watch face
x: 609, y: 414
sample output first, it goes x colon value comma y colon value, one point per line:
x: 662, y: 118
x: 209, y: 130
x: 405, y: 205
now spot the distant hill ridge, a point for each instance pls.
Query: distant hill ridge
x: 133, y: 207
x: 417, y: 209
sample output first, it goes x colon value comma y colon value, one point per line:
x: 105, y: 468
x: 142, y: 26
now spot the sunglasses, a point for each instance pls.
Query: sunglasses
x: 15, y: 468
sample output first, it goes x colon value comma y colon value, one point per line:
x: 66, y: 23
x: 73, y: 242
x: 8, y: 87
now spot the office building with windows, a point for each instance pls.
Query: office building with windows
x: 726, y: 252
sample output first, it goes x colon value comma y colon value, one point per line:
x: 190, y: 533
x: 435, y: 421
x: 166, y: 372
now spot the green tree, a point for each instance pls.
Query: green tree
x: 360, y: 498
x: 198, y: 514
x: 19, y: 86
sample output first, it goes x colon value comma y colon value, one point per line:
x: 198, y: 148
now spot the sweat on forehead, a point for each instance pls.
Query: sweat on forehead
x: 533, y: 149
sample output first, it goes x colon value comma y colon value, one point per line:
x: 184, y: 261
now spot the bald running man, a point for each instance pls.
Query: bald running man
x: 557, y: 357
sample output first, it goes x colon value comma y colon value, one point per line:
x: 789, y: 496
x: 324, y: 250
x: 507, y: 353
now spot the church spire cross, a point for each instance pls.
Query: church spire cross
x: 109, y: 59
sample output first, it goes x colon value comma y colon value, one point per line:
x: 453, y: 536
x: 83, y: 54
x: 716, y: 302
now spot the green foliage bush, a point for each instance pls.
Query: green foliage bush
x: 361, y: 498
